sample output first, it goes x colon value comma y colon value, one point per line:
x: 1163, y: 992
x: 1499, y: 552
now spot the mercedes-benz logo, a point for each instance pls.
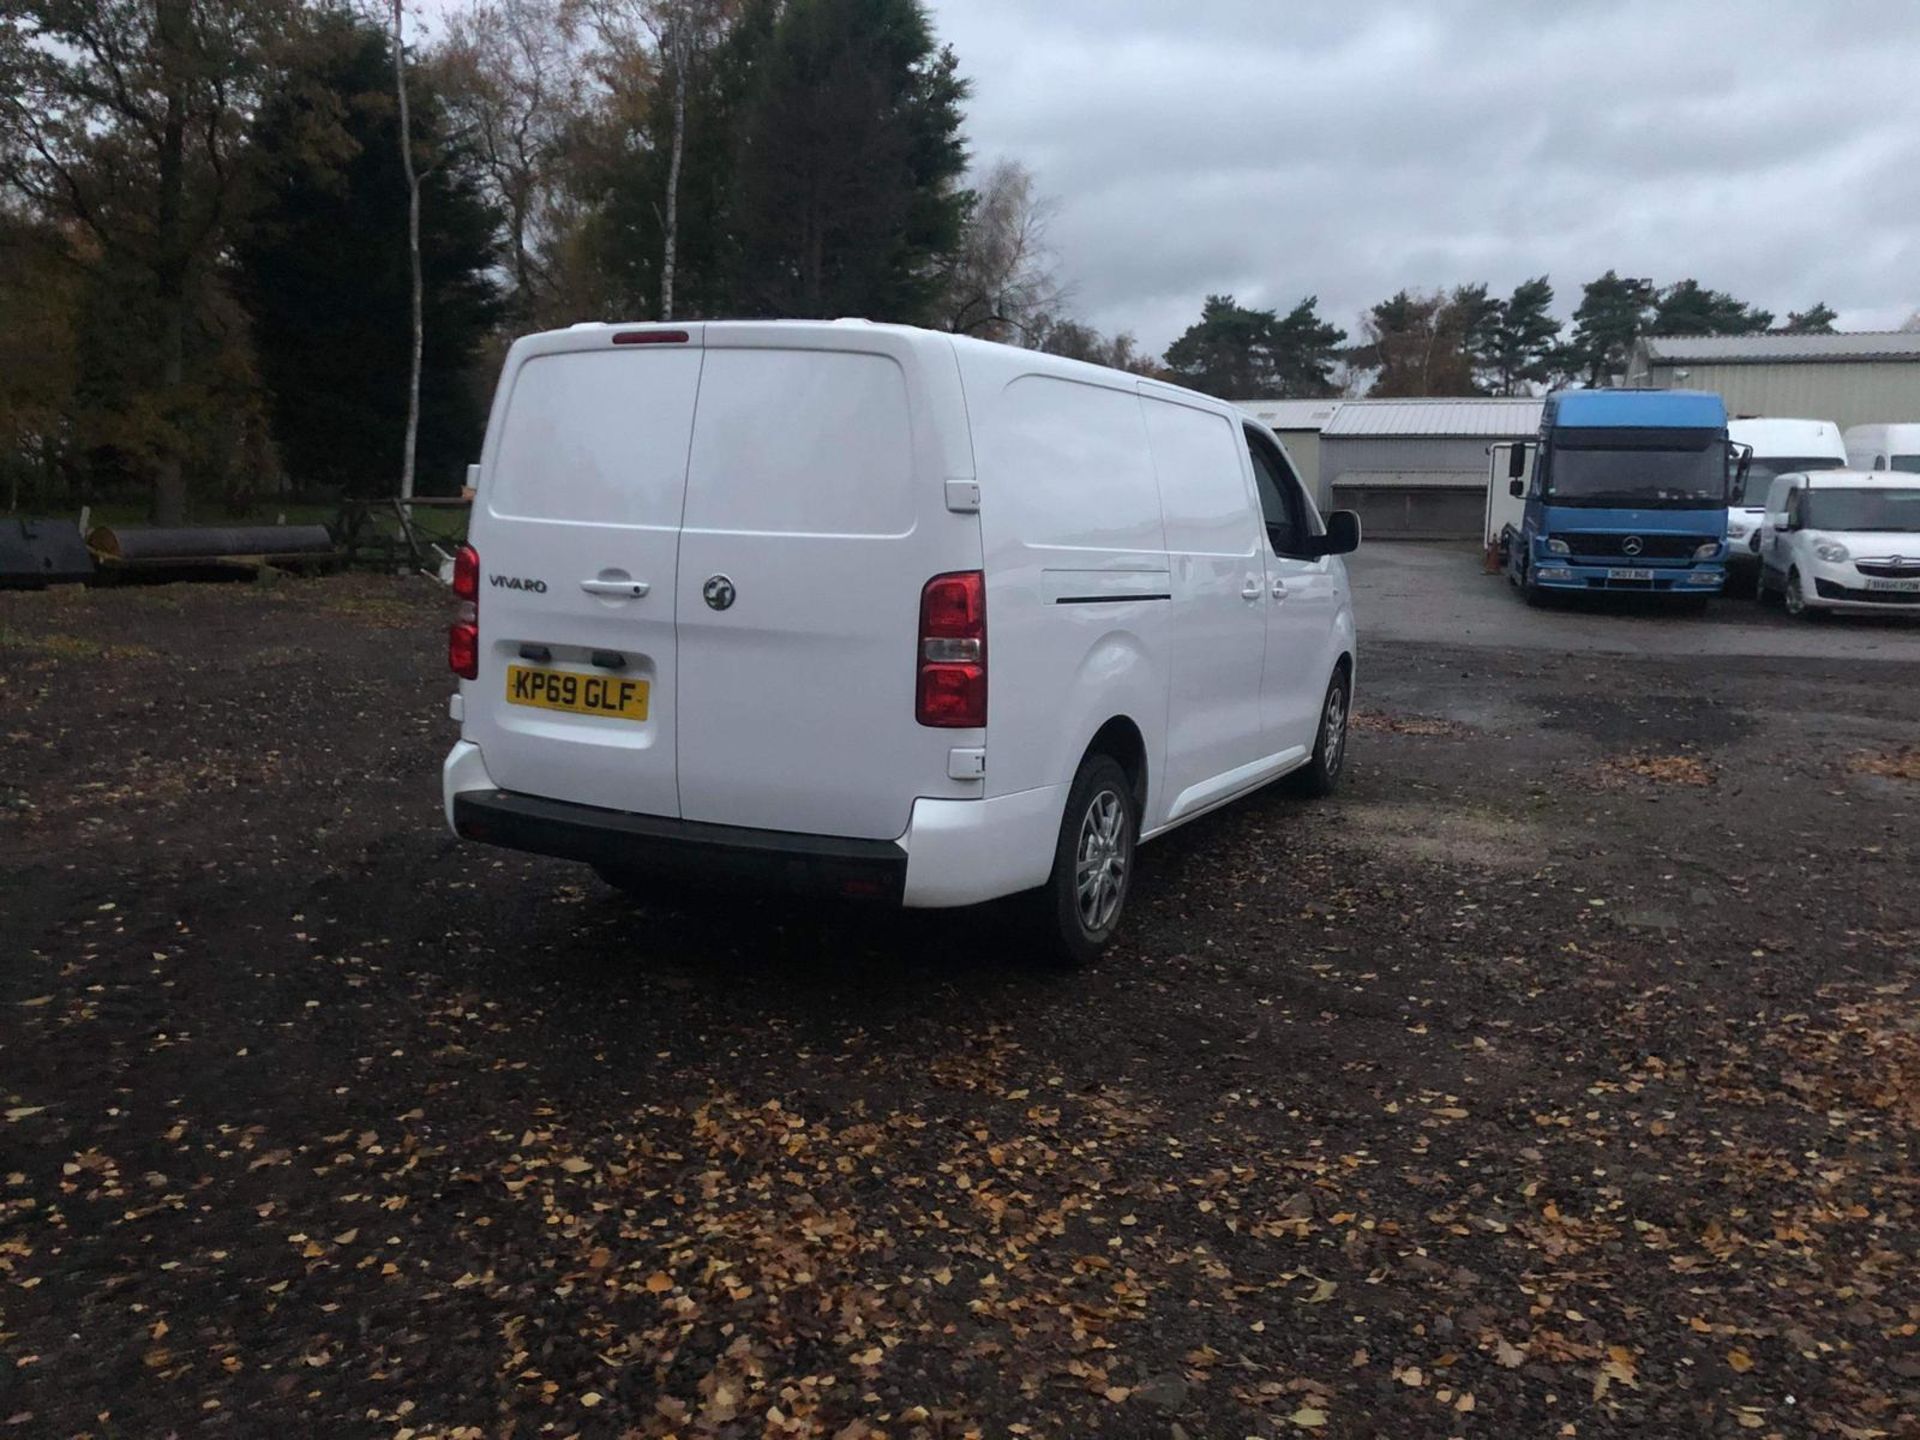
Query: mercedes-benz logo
x: 719, y: 592
x: 1633, y: 545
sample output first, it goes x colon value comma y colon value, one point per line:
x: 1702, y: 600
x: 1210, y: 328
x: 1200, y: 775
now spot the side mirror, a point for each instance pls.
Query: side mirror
x: 1343, y: 534
x: 1516, y: 488
x: 1516, y: 464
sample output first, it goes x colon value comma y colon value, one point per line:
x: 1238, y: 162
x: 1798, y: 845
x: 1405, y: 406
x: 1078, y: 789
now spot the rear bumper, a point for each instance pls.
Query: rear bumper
x: 955, y: 852
x: 651, y: 844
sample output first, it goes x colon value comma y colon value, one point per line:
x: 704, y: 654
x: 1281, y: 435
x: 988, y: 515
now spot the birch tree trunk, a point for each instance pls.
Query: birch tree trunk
x: 413, y: 251
x: 677, y: 57
x: 170, y: 270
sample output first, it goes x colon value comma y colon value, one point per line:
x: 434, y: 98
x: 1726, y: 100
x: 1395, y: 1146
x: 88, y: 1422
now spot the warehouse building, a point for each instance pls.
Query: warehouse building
x: 1417, y: 469
x: 1298, y: 423
x: 1850, y: 379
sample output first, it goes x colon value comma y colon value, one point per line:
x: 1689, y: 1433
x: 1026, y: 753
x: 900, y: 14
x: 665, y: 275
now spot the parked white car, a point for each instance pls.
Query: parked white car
x: 881, y: 612
x: 1842, y: 540
x: 1771, y: 448
x: 1884, y: 447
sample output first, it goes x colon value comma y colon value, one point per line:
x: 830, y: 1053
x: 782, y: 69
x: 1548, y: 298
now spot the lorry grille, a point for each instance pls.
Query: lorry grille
x: 1652, y: 547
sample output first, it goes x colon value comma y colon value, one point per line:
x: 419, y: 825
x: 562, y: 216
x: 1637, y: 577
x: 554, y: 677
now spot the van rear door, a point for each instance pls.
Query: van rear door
x: 814, y: 517
x: 578, y: 530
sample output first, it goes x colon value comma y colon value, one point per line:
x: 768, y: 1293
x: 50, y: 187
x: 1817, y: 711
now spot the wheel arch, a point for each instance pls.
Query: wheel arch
x: 1122, y: 739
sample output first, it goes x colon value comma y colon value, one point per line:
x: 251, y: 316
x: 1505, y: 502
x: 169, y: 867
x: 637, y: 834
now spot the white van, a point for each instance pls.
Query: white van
x: 881, y: 612
x: 1772, y: 448
x: 1883, y: 447
x: 1842, y: 540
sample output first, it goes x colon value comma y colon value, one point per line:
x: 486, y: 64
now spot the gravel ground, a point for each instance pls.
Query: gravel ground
x: 1560, y: 1077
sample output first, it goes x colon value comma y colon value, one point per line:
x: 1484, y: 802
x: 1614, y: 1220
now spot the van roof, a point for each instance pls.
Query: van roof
x: 1679, y: 409
x: 1861, y: 480
x: 832, y: 335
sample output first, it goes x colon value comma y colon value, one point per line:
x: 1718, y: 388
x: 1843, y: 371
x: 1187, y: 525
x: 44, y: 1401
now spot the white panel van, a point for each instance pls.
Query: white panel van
x: 881, y: 613
x: 1769, y: 448
x: 1884, y: 447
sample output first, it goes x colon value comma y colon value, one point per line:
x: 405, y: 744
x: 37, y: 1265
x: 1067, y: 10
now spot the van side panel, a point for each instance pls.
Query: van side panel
x: 1077, y: 581
x: 1216, y: 550
x: 815, y: 509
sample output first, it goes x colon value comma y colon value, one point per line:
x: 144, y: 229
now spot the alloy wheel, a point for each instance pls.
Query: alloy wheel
x: 1100, y: 860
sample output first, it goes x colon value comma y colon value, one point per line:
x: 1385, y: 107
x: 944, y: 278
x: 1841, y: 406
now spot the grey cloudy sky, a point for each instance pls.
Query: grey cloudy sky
x: 1274, y: 150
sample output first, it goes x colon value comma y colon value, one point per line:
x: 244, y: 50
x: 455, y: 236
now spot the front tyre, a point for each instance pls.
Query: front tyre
x: 1321, y: 775
x: 1086, y: 894
x: 1795, y: 594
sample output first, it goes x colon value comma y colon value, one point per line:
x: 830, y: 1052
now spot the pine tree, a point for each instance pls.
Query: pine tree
x: 1524, y: 339
x: 1235, y: 353
x: 1614, y: 312
x: 1689, y: 308
x: 849, y: 153
x: 326, y: 277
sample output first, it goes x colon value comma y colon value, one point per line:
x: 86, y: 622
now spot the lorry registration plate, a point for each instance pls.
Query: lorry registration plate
x: 1873, y: 584
x: 1629, y: 574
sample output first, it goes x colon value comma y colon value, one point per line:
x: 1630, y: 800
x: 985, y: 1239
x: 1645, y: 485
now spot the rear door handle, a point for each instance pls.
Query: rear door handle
x: 617, y: 589
x: 1250, y: 590
x: 1279, y: 589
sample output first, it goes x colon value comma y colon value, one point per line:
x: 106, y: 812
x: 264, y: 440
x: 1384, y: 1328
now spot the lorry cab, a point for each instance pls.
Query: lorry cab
x: 1627, y: 493
x: 880, y: 613
x: 1767, y: 448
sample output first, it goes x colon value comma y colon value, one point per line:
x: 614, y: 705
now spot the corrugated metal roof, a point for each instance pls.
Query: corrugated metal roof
x: 1290, y: 414
x: 1492, y: 419
x: 1769, y: 348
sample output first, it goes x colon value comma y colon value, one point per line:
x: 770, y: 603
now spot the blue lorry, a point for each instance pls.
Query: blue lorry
x: 1627, y: 494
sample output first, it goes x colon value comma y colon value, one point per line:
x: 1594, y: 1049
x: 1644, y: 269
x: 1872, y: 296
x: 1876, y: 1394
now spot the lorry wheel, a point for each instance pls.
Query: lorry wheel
x: 1321, y: 775
x: 1086, y: 895
x: 1532, y: 592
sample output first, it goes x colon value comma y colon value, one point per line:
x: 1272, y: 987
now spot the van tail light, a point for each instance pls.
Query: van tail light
x: 463, y: 636
x: 951, y: 693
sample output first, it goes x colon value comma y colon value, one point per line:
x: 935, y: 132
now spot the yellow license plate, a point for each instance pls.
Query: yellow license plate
x: 577, y: 694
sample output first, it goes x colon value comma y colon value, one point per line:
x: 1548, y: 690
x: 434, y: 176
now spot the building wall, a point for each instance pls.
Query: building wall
x: 1389, y: 512
x: 1845, y: 393
x: 1303, y: 448
x: 1408, y: 487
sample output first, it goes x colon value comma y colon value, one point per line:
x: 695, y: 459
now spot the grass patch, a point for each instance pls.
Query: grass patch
x: 70, y: 647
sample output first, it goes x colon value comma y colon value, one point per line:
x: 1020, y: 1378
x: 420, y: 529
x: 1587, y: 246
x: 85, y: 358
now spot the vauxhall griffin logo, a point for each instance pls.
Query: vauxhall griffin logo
x: 514, y: 582
x: 718, y: 591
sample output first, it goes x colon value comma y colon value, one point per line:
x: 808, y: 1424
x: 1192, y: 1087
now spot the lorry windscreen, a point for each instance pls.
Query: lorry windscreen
x: 1643, y: 468
x: 1761, y: 473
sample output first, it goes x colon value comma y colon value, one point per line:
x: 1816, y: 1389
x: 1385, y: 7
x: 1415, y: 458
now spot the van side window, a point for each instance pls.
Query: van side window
x: 1280, y: 499
x: 1796, y: 498
x: 1879, y: 462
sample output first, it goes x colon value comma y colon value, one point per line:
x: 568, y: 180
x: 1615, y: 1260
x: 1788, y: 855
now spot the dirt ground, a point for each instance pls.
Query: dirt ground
x: 1560, y: 1077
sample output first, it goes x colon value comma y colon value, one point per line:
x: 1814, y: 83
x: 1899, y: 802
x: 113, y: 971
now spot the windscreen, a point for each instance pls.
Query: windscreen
x: 1643, y: 468
x: 1863, y: 509
x: 1762, y: 471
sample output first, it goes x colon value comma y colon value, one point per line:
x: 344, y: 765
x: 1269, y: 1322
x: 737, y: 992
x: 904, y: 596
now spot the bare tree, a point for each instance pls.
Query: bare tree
x: 413, y: 248
x: 125, y: 120
x: 1003, y: 282
x: 513, y: 82
x: 679, y: 33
